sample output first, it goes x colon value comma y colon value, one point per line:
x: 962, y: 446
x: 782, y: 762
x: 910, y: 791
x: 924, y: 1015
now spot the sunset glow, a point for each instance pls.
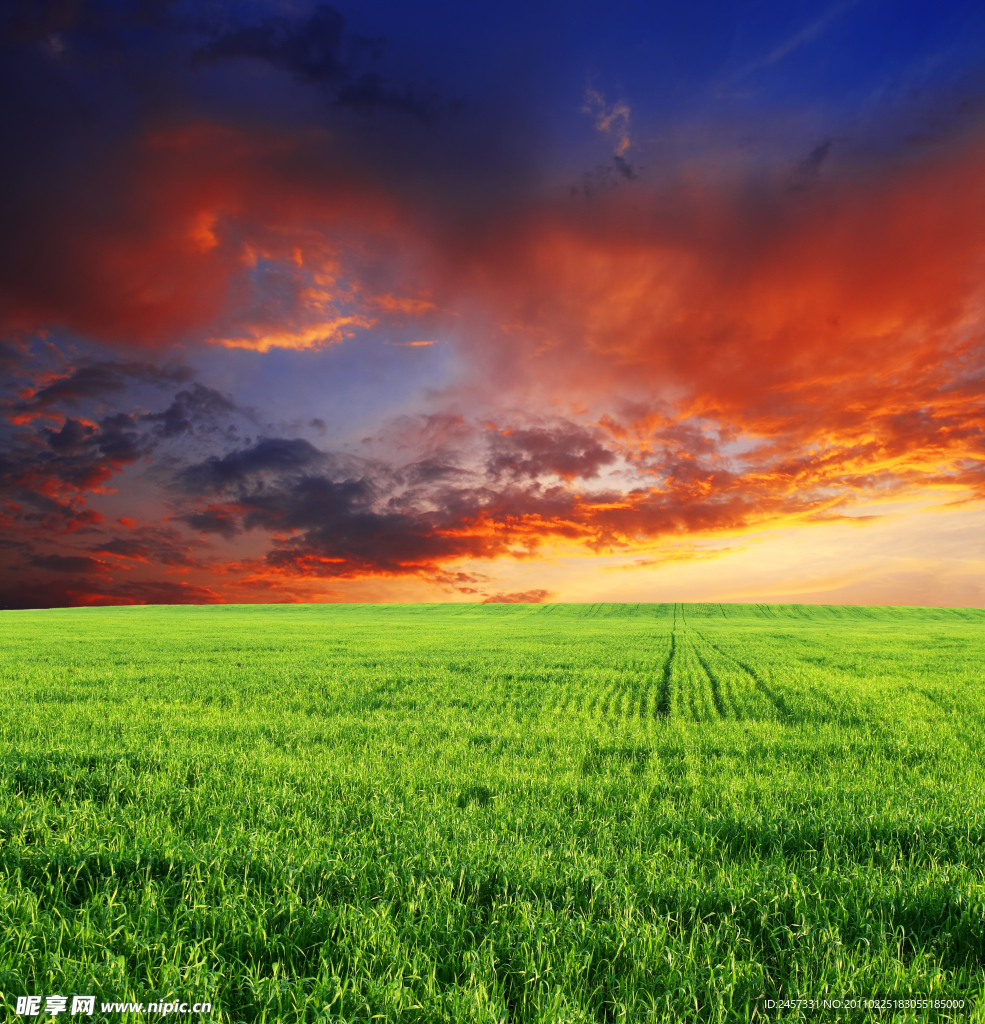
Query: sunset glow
x: 358, y: 319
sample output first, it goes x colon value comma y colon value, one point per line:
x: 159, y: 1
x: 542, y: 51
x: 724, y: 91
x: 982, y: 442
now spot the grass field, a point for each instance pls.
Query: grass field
x: 547, y: 813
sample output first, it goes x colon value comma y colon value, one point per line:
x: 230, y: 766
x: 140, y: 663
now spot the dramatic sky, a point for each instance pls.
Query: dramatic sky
x: 518, y: 301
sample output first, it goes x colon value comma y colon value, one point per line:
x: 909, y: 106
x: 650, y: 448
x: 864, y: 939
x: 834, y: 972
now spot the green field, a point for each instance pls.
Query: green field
x: 550, y: 813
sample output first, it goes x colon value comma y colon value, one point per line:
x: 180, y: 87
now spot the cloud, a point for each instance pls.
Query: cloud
x: 707, y: 353
x: 813, y: 30
x: 69, y: 563
x: 75, y: 592
x: 214, y: 520
x: 741, y: 359
x: 277, y: 454
x: 819, y: 340
x: 261, y: 338
x: 198, y: 233
x: 10, y: 356
x: 522, y: 597
x: 308, y: 48
x: 569, y: 452
x: 48, y: 473
x: 99, y: 379
x: 150, y: 544
x: 612, y: 119
x: 56, y: 593
x: 333, y: 522
x: 313, y: 50
x: 506, y: 494
x: 165, y: 592
x: 191, y: 409
x: 255, y: 240
x: 154, y: 189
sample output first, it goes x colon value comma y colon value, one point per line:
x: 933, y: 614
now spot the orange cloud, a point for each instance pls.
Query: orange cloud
x: 609, y: 118
x: 395, y: 305
x: 537, y: 596
x: 316, y: 335
x: 744, y: 354
x: 825, y: 338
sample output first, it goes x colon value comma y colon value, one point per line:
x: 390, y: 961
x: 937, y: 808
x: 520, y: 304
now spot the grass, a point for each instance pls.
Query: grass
x: 499, y: 813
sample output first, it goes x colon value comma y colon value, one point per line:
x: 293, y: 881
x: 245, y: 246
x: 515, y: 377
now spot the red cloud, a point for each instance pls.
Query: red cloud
x: 758, y: 306
x: 155, y: 243
x: 837, y: 331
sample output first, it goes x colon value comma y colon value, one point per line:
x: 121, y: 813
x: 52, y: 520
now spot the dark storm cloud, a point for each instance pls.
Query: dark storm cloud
x: 68, y: 563
x: 276, y: 454
x: 336, y: 518
x: 430, y: 471
x: 45, y: 475
x: 62, y: 593
x: 214, y: 520
x: 72, y: 435
x: 308, y: 47
x: 196, y: 406
x: 343, y: 533
x: 55, y: 593
x: 46, y: 472
x: 96, y: 380
x: 312, y: 50
x: 120, y: 439
x: 163, y: 545
x: 80, y: 454
x: 85, y: 453
x: 348, y: 520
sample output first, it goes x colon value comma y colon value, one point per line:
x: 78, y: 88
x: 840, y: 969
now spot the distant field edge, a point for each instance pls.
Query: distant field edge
x: 679, y: 612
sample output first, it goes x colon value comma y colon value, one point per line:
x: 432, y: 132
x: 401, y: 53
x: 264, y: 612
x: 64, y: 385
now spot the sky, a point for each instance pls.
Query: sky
x: 492, y: 302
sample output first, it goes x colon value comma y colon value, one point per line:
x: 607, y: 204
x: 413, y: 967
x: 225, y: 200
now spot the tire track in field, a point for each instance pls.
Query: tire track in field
x: 611, y: 699
x: 695, y: 681
x: 689, y: 682
x: 716, y: 687
x: 662, y: 705
x: 641, y: 693
x: 691, y: 692
x: 694, y: 693
x: 771, y: 695
x: 722, y: 689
